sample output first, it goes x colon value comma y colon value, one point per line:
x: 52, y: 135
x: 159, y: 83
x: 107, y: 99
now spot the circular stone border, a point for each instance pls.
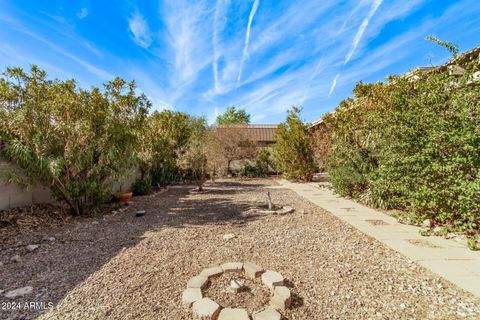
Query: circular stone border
x: 205, y: 308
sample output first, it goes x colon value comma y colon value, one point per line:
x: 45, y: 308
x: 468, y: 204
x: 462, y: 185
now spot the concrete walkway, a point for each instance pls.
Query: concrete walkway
x: 447, y: 258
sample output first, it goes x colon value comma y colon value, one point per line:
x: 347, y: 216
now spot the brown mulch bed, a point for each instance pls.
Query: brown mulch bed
x: 119, y: 266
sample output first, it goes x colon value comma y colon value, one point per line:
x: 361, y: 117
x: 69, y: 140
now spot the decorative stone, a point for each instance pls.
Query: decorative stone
x: 197, y: 282
x: 32, y: 247
x: 51, y: 239
x: 16, y: 258
x: 190, y: 295
x: 272, y: 279
x: 232, y: 267
x: 252, y: 270
x: 212, y: 272
x: 18, y: 292
x: 427, y: 223
x: 281, y: 298
x: 267, y: 314
x: 228, y: 236
x: 235, y: 286
x: 205, y: 309
x: 233, y: 314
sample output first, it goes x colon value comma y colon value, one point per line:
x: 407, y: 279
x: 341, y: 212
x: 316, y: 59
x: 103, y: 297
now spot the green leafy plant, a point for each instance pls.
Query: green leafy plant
x: 293, y: 151
x: 142, y: 187
x: 452, y: 48
x: 233, y: 116
x: 74, y: 140
x: 412, y: 145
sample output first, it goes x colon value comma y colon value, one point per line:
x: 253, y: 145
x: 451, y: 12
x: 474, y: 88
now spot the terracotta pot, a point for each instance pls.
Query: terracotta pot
x: 125, y: 197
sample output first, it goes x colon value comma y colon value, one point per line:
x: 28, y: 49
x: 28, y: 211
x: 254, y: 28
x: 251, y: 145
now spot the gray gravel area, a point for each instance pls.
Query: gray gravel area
x: 123, y: 267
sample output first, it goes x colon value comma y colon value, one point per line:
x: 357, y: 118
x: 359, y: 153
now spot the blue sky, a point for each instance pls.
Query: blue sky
x: 264, y: 56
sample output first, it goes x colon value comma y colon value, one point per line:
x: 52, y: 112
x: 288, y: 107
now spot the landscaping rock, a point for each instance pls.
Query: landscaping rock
x: 16, y: 258
x: 232, y: 267
x: 235, y: 286
x: 427, y: 223
x: 233, y: 314
x: 281, y: 299
x: 267, y: 314
x: 272, y: 279
x: 228, y: 236
x: 212, y: 272
x: 19, y: 292
x: 205, y: 309
x: 252, y: 270
x: 32, y: 247
x: 190, y: 295
x: 197, y: 282
x: 140, y: 213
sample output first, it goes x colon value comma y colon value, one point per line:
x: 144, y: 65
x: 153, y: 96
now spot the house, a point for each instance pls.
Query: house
x: 263, y: 135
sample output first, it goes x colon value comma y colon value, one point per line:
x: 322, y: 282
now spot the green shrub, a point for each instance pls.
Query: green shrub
x: 142, y: 187
x: 293, y: 152
x: 73, y: 140
x: 412, y: 145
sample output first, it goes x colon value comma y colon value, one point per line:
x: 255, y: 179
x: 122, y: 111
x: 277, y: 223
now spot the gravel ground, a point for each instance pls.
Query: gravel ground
x: 123, y: 267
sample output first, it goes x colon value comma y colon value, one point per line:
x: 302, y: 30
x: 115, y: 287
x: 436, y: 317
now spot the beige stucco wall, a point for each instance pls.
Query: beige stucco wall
x: 12, y: 195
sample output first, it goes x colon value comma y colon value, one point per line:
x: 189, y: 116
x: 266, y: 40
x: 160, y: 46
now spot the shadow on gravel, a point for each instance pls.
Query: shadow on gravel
x: 83, y: 245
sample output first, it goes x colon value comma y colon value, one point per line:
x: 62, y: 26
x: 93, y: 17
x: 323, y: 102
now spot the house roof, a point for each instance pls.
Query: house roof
x: 258, y: 132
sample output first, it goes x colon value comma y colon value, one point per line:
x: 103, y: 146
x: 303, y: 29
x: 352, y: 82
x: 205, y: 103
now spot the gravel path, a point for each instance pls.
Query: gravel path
x: 122, y: 267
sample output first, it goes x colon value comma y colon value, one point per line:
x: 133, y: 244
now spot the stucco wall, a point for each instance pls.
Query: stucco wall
x: 12, y: 195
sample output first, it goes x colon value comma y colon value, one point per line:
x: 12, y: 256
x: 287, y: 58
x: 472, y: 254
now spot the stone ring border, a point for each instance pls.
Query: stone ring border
x: 204, y: 308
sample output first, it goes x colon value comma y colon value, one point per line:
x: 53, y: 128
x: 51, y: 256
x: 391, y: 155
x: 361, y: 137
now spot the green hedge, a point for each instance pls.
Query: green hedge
x: 412, y: 143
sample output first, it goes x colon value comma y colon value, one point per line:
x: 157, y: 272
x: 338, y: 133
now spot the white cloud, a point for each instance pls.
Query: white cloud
x: 247, y: 39
x: 219, y: 22
x: 334, y: 84
x: 139, y: 30
x: 361, y: 29
x: 83, y: 13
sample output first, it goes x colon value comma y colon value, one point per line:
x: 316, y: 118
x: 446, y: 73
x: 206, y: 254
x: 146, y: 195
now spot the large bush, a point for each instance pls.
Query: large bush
x: 76, y: 141
x: 412, y: 143
x: 293, y: 152
x: 162, y: 138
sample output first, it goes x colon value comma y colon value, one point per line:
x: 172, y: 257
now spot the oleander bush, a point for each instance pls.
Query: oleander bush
x: 73, y: 140
x: 412, y: 143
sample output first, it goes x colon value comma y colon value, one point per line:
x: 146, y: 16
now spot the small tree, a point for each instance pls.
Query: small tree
x: 229, y: 143
x: 76, y: 141
x: 193, y: 156
x: 293, y: 153
x: 233, y: 116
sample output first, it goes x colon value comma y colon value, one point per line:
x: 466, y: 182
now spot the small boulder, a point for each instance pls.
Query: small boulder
x: 16, y: 258
x: 235, y: 286
x: 228, y: 236
x: 32, y: 247
x: 205, y: 309
x: 427, y: 223
x: 19, y: 292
